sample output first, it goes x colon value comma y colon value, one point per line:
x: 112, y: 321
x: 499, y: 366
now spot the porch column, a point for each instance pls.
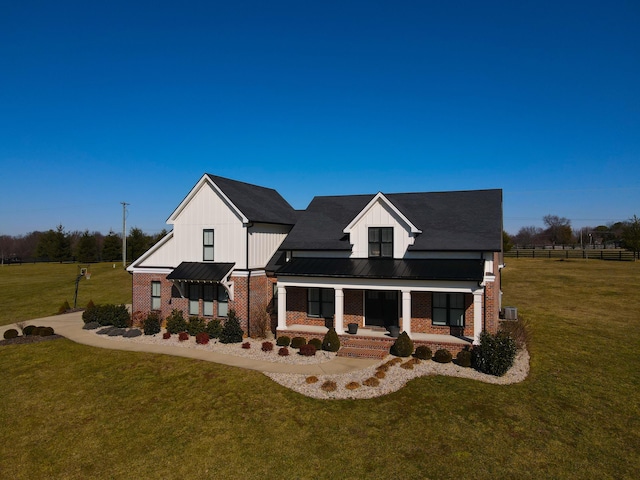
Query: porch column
x: 406, y: 311
x: 282, y: 308
x: 339, y: 311
x: 477, y: 315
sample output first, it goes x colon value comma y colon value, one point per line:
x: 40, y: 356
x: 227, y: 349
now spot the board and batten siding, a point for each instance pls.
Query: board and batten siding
x: 208, y: 210
x: 379, y: 215
x: 163, y: 254
x: 264, y: 240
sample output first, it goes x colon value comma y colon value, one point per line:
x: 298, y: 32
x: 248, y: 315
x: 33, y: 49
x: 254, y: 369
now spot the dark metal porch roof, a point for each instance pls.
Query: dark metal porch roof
x: 413, y: 269
x: 200, y: 272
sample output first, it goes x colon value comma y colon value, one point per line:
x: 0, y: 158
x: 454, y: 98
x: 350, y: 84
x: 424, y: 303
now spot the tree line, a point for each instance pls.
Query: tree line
x: 59, y: 245
x: 558, y: 231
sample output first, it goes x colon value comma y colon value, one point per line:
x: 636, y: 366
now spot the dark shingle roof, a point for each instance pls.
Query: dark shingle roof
x: 449, y: 221
x: 414, y: 269
x: 200, y: 272
x: 258, y: 204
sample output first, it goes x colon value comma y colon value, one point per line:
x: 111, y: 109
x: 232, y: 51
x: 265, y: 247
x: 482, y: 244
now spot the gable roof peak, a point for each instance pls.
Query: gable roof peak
x: 381, y: 198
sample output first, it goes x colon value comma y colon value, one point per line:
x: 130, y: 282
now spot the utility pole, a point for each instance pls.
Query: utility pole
x: 124, y: 234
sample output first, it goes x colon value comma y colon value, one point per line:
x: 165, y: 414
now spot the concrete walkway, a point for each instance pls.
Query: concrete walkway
x: 70, y: 326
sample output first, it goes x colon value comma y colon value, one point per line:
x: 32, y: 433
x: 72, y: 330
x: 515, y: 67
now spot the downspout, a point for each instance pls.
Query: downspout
x: 248, y: 281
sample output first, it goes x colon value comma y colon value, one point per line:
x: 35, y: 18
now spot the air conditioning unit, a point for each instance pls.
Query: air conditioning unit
x: 510, y: 313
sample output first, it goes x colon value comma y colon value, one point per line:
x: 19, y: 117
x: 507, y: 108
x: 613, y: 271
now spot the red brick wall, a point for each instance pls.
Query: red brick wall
x: 353, y: 307
x: 421, y: 321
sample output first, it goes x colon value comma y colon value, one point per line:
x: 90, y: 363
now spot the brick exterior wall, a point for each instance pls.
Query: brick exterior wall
x: 297, y: 308
x: 353, y: 307
x: 421, y: 311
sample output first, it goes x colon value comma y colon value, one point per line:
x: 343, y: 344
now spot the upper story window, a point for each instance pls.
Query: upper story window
x: 207, y: 245
x: 381, y: 242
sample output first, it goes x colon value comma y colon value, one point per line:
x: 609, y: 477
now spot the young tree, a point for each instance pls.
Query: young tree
x: 54, y: 245
x: 631, y: 235
x: 112, y: 248
x: 137, y: 243
x: 87, y: 250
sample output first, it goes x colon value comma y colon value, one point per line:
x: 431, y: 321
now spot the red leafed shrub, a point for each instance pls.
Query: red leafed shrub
x: 267, y: 346
x: 202, y: 338
x: 283, y: 352
x: 308, y: 350
x: 182, y: 336
x: 246, y: 345
x: 166, y: 335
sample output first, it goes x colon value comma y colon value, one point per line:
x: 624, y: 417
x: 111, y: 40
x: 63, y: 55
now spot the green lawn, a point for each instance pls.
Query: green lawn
x: 71, y: 411
x: 35, y: 290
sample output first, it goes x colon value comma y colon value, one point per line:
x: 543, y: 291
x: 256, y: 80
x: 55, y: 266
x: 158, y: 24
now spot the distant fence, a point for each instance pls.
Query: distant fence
x: 601, y: 254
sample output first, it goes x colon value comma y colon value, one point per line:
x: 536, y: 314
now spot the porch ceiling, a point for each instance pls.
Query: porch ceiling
x: 413, y: 269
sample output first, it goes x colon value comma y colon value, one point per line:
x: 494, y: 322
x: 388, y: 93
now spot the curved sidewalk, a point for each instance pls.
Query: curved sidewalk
x: 69, y: 325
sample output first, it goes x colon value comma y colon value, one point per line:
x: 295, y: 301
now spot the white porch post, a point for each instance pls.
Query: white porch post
x: 477, y: 315
x: 282, y: 308
x: 406, y: 311
x: 339, y: 310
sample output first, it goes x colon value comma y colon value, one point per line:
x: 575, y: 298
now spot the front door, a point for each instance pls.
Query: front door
x: 381, y: 308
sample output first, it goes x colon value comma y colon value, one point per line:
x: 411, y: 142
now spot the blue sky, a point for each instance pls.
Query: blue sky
x: 104, y: 102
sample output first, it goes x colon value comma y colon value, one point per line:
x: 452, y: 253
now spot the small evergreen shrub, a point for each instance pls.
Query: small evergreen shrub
x: 28, y: 330
x: 494, y: 354
x: 442, y: 356
x: 64, y: 307
x: 46, y: 331
x: 423, y: 352
x: 91, y: 326
x: 297, y: 342
x: 202, y: 338
x: 311, y: 379
x: 151, y: 324
x: 231, y: 331
x: 329, y: 386
x: 116, y: 315
x: 307, y: 350
x: 463, y: 358
x: 176, y: 322
x: 11, y: 333
x: 246, y: 345
x: 183, y: 336
x: 267, y: 346
x: 331, y: 342
x: 316, y: 342
x: 214, y: 328
x: 89, y: 315
x: 371, y: 382
x: 166, y: 335
x: 283, y: 341
x: 134, y: 332
x: 196, y: 325
x: 403, y: 346
x: 283, y: 352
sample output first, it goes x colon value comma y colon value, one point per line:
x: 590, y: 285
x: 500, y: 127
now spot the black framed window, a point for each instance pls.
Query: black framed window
x: 194, y: 299
x: 448, y: 309
x: 381, y: 242
x: 207, y: 245
x: 223, y: 301
x: 208, y: 291
x: 320, y: 302
x: 156, y: 301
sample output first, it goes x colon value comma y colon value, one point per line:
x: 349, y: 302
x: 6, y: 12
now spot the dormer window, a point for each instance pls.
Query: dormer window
x: 207, y: 245
x: 380, y: 242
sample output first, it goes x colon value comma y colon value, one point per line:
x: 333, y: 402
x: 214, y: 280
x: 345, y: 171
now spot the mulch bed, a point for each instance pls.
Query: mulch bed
x: 21, y: 340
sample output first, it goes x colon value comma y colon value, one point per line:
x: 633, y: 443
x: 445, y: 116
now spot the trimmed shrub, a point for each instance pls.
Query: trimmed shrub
x: 297, y: 342
x: 214, y: 328
x: 166, y: 335
x: 329, y: 386
x: 403, y: 346
x: 371, y: 382
x: 423, y: 353
x: 331, y: 341
x: 116, y: 315
x: 202, y: 338
x: 46, y: 331
x: 267, y: 346
x: 11, y: 333
x: 283, y: 352
x: 352, y: 385
x: 408, y: 365
x: 28, y: 330
x: 134, y: 332
x: 89, y: 315
x: 380, y: 374
x: 196, y: 325
x: 64, y: 307
x: 231, y: 331
x: 463, y: 358
x: 246, y: 345
x: 442, y: 356
x: 311, y: 379
x: 307, y: 350
x: 183, y: 336
x: 316, y: 342
x: 495, y: 353
x: 90, y: 326
x: 283, y: 341
x: 151, y: 324
x: 176, y: 322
